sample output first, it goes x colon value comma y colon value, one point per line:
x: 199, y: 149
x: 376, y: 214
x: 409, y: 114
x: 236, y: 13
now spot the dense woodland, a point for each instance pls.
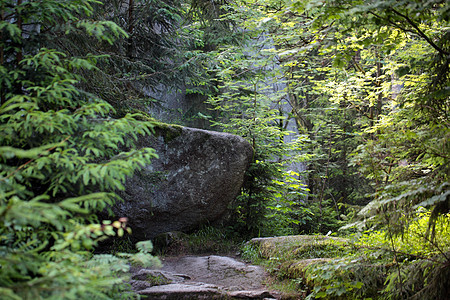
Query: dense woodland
x: 366, y: 83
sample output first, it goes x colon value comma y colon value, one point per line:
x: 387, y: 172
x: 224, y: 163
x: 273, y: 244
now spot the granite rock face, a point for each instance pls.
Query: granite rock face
x: 197, y: 175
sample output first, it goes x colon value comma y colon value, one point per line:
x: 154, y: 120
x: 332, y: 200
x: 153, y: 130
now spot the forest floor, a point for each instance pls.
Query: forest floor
x: 202, y: 277
x: 281, y: 268
x: 186, y: 274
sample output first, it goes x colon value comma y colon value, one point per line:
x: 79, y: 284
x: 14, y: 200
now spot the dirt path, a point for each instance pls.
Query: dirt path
x: 202, y: 277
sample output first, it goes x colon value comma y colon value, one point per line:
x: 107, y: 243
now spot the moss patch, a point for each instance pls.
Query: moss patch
x: 157, y: 280
x: 169, y: 132
x: 290, y: 259
x: 297, y: 268
x: 299, y: 246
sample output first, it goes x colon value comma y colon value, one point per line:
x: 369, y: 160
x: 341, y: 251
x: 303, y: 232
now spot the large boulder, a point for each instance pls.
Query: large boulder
x: 197, y: 175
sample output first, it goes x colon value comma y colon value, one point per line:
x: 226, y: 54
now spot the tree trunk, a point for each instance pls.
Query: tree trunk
x: 130, y: 28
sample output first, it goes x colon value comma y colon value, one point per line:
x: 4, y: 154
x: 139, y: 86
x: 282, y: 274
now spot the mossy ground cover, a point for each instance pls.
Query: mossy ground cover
x: 371, y: 265
x: 288, y: 258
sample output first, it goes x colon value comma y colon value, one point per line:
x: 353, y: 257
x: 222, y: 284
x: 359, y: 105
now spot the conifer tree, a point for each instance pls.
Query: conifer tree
x: 61, y: 158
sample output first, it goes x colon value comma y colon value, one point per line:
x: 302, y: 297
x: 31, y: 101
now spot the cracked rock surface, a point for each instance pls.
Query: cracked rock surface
x: 202, y: 277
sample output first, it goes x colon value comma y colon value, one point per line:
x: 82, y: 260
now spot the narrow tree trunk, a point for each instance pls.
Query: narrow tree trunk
x: 380, y: 95
x: 19, y: 55
x: 255, y: 103
x: 324, y: 180
x: 130, y: 28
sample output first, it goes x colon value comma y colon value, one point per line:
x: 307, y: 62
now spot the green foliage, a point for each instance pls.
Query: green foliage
x: 251, y: 209
x: 368, y: 82
x: 289, y: 259
x: 211, y: 27
x: 151, y: 53
x: 412, y: 240
x: 247, y: 103
x: 346, y: 278
x: 250, y: 252
x: 209, y: 239
x: 405, y: 133
x: 369, y: 266
x: 62, y: 156
x: 286, y: 248
x: 417, y: 271
x: 331, y: 129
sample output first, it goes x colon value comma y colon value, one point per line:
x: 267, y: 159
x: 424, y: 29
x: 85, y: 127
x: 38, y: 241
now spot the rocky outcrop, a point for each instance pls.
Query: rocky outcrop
x: 201, y: 277
x: 197, y: 175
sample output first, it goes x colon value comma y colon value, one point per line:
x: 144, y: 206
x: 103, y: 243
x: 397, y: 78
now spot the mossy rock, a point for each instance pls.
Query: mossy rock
x: 152, y: 277
x: 299, y: 246
x: 296, y: 268
x: 169, y: 132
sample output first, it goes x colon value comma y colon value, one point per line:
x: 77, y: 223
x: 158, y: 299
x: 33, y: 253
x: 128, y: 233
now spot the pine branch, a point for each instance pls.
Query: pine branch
x: 33, y: 159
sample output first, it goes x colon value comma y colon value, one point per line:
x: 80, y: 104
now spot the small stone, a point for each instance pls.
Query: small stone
x: 139, y: 285
x: 159, y: 277
x: 258, y: 294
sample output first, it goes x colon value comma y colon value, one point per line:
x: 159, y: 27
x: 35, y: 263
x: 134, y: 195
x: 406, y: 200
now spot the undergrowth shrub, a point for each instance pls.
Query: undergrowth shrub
x: 409, y: 266
x: 370, y: 265
x: 208, y: 239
